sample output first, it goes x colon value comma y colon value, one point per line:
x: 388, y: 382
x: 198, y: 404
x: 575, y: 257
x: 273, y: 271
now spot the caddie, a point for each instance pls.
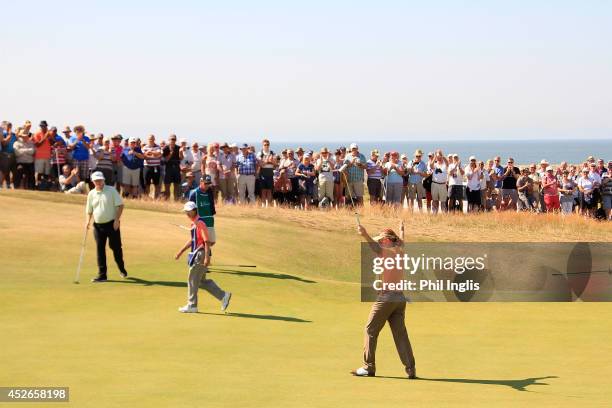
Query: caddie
x: 204, y: 200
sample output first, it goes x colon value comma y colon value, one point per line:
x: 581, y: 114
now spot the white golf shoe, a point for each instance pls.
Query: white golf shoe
x: 188, y: 309
x: 225, y: 301
x: 362, y: 372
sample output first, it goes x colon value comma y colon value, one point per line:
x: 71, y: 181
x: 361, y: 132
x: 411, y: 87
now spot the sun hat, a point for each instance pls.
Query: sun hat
x: 97, y: 175
x: 472, y: 158
x: 324, y: 150
x: 189, y: 206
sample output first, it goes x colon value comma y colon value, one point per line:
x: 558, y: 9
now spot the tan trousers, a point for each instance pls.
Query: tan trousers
x: 389, y: 307
x: 227, y: 187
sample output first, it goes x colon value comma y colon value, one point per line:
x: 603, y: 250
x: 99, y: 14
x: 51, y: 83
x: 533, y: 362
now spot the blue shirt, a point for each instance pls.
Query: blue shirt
x: 80, y: 151
x: 130, y: 160
x: 393, y: 177
x: 499, y: 171
x: 8, y: 148
x: 246, y: 164
x: 420, y: 167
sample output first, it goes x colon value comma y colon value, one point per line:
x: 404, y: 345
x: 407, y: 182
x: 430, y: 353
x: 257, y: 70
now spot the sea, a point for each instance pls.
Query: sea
x: 523, y: 151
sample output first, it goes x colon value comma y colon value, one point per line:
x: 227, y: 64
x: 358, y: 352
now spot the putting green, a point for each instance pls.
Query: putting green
x: 294, y: 331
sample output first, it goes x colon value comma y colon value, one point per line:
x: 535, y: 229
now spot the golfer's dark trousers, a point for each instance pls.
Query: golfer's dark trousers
x: 389, y: 307
x: 102, y: 233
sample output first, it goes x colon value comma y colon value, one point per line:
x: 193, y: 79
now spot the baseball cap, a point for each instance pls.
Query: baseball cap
x: 189, y: 206
x: 206, y: 179
x: 549, y: 168
x: 132, y: 140
x: 353, y: 146
x: 324, y: 150
x: 117, y: 136
x: 67, y: 129
x: 543, y: 161
x: 374, y: 152
x: 418, y: 152
x: 472, y: 158
x: 244, y: 146
x: 97, y: 175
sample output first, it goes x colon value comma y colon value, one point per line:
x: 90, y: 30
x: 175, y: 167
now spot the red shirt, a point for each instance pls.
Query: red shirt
x: 43, y: 151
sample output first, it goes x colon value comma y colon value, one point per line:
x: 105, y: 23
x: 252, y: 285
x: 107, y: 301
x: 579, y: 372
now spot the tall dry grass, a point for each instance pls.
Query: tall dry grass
x: 484, y: 227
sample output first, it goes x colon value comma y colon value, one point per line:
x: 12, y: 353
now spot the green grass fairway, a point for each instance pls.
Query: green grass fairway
x: 294, y: 331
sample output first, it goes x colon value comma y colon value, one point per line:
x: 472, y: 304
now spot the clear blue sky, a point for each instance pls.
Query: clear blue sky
x: 311, y: 70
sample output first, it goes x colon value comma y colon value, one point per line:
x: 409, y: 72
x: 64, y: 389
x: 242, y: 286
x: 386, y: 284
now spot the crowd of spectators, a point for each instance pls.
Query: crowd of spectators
x: 244, y: 174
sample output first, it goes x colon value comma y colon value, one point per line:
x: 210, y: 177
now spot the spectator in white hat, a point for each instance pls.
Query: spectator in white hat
x: 353, y: 173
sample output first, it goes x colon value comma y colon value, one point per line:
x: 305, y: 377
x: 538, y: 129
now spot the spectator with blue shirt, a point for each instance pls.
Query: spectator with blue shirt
x: 8, y: 164
x: 247, y: 168
x: 417, y: 170
x: 79, y: 145
x: 133, y: 160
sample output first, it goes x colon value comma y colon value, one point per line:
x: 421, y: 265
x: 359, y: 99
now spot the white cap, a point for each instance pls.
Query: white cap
x: 543, y: 161
x: 353, y: 146
x: 132, y: 140
x: 472, y: 158
x: 189, y: 206
x: 97, y: 175
x: 183, y: 140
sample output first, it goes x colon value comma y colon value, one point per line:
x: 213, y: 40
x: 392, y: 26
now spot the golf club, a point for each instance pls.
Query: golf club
x: 181, y: 227
x: 348, y: 187
x: 78, y: 271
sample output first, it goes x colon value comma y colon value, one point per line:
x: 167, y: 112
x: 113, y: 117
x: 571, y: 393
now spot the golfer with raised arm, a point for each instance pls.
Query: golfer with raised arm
x: 390, y: 306
x: 198, y: 261
x: 105, y: 206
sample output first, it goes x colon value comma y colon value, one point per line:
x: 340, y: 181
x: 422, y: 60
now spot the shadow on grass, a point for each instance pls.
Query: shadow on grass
x: 519, y: 385
x: 261, y: 274
x: 257, y: 316
x: 144, y: 282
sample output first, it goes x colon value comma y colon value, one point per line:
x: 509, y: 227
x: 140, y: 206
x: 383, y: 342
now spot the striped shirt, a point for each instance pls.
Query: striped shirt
x: 105, y: 159
x: 150, y: 162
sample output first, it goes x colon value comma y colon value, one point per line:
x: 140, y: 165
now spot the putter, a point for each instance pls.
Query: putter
x: 181, y: 227
x: 78, y: 271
